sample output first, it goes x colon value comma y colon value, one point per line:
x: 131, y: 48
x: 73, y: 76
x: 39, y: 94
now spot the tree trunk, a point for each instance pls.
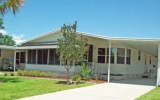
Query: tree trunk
x: 68, y: 77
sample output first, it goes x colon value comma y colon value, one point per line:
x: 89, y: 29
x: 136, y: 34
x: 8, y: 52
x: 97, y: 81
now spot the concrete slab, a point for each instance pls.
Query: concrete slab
x: 105, y: 91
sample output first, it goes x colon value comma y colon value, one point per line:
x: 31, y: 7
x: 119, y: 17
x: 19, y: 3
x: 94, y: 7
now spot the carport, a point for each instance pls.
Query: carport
x: 149, y: 46
x: 7, y: 53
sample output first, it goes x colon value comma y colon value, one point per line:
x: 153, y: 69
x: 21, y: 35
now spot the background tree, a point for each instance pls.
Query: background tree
x: 1, y: 26
x: 7, y: 40
x: 10, y: 5
x: 71, y: 49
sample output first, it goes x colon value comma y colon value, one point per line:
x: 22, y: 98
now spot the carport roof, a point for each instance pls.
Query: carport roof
x: 147, y: 45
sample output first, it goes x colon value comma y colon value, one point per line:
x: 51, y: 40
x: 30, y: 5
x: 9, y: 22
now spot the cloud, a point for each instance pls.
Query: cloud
x: 18, y: 38
x: 3, y: 32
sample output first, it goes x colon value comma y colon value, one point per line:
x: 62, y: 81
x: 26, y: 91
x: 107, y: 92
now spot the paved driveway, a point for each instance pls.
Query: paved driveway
x: 105, y: 91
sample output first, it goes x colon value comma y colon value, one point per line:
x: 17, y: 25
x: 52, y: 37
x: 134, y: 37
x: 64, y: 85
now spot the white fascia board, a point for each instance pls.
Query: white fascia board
x: 7, y: 47
x: 51, y: 32
x: 36, y: 47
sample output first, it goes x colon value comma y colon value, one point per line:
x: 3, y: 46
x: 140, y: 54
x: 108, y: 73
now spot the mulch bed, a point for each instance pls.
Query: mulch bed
x: 64, y: 79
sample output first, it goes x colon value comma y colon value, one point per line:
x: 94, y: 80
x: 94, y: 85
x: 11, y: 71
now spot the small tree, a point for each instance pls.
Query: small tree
x: 71, y: 49
x: 7, y: 40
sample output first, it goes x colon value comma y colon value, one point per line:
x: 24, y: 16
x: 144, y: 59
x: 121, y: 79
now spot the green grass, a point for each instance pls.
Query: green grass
x: 14, y: 87
x: 152, y: 95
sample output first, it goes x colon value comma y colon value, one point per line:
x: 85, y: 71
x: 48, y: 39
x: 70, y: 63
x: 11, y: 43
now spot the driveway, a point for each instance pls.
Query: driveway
x: 105, y: 91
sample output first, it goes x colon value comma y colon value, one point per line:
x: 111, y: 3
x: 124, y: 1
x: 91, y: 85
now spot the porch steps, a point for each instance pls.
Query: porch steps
x: 146, y: 75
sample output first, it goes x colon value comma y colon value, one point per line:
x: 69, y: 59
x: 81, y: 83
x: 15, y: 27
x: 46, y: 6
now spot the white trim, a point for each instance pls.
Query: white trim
x: 14, y: 69
x: 158, y: 67
x: 109, y: 61
x: 48, y: 33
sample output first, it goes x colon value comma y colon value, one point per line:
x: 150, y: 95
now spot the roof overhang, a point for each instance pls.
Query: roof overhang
x: 36, y: 47
x: 7, y: 47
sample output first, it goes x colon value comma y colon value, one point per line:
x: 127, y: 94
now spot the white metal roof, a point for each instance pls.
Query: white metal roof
x: 7, y: 47
x: 97, y: 36
x: 148, y: 45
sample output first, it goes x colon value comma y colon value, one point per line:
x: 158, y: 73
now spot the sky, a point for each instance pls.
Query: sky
x: 111, y: 18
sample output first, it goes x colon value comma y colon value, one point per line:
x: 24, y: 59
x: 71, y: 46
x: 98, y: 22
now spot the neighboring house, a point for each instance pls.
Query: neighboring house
x: 129, y: 57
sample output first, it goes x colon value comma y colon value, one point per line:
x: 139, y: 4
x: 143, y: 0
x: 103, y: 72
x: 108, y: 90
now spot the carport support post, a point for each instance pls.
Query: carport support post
x: 109, y: 60
x: 158, y: 67
x: 14, y: 61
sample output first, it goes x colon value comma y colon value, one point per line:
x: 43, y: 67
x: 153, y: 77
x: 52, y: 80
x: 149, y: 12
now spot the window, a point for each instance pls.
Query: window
x: 42, y: 56
x: 139, y: 55
x: 128, y: 56
x: 112, y: 55
x: 22, y: 57
x: 101, y: 55
x: 120, y: 55
x: 150, y: 60
x: 32, y: 56
x: 53, y: 57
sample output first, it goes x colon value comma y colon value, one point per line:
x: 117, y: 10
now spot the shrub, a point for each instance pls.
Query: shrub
x: 25, y: 72
x: 5, y: 74
x: 34, y: 73
x: 85, y: 72
x: 42, y: 74
x: 75, y: 77
x: 55, y: 75
x: 49, y: 74
x: 20, y: 72
x: 12, y: 73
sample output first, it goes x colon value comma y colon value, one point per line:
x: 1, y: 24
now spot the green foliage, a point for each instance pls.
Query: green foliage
x: 5, y: 74
x: 34, y: 73
x: 37, y: 73
x: 12, y: 74
x: 42, y: 74
x: 75, y: 77
x: 7, y: 40
x: 10, y: 5
x: 19, y: 72
x: 71, y: 47
x: 55, y: 75
x: 85, y: 72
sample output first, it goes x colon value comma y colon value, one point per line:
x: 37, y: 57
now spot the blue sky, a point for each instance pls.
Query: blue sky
x: 113, y: 18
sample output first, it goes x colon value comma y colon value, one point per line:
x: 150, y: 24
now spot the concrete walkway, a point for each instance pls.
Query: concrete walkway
x: 105, y: 91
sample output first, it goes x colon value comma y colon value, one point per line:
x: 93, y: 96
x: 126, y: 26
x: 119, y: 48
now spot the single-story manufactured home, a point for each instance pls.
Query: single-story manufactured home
x: 109, y: 58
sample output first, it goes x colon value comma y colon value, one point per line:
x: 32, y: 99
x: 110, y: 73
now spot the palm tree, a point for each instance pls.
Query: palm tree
x: 7, y: 40
x: 1, y: 26
x: 10, y: 5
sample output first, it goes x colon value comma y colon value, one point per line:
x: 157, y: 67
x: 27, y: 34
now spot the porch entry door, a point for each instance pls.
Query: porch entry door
x: 145, y: 64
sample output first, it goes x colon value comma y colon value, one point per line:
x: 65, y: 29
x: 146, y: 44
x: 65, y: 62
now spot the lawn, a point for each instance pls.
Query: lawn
x: 152, y: 95
x: 14, y: 87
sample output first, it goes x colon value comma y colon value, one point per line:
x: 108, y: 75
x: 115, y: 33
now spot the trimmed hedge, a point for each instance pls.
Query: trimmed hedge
x: 37, y: 73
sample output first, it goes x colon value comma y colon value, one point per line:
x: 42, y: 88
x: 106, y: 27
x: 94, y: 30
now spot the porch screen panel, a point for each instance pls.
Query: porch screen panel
x: 101, y: 55
x: 128, y: 57
x: 120, y: 55
x: 22, y: 57
x: 51, y: 56
x: 34, y: 56
x: 29, y: 56
x: 45, y: 56
x: 40, y: 55
x: 112, y: 55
